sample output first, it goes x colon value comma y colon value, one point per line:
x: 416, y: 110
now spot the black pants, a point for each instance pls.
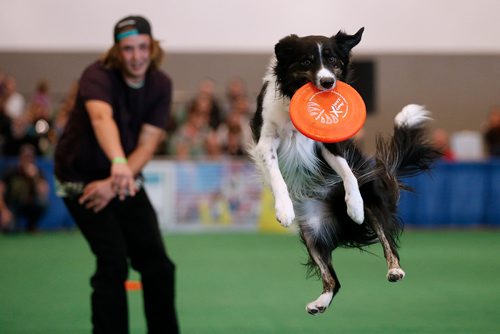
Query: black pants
x: 127, y: 230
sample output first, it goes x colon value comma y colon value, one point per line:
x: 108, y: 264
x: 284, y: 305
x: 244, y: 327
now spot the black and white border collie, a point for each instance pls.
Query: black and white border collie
x: 338, y: 196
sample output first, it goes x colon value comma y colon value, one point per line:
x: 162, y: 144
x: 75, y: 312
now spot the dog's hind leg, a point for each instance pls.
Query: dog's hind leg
x: 331, y: 284
x: 395, y: 273
x: 353, y: 199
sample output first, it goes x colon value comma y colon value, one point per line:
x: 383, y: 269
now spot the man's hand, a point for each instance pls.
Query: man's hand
x: 123, y: 182
x: 97, y: 194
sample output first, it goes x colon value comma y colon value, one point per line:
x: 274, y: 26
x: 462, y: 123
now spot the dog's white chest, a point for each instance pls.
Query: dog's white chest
x: 296, y: 146
x: 296, y: 151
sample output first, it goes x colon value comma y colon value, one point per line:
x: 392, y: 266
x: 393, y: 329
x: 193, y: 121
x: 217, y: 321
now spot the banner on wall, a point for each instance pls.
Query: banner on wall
x: 229, y: 195
x: 194, y: 195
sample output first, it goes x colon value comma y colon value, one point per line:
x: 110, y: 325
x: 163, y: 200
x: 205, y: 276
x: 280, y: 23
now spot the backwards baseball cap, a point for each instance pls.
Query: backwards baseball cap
x: 131, y: 25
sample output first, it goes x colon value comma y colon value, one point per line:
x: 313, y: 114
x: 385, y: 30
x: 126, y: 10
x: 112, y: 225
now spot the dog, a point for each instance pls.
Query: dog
x: 338, y: 196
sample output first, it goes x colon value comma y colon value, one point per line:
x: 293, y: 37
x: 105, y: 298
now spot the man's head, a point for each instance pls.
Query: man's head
x: 134, y: 50
x: 130, y: 26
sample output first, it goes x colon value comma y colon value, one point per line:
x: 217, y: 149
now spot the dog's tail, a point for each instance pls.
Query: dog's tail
x: 409, y: 151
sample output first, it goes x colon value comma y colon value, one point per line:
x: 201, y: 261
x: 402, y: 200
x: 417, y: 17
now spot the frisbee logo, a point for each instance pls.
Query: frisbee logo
x: 338, y: 109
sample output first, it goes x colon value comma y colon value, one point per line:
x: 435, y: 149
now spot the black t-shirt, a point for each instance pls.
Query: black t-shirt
x: 78, y: 156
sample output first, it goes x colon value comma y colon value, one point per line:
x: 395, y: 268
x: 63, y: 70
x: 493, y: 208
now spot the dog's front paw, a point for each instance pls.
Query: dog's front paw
x: 284, y: 211
x: 355, y: 207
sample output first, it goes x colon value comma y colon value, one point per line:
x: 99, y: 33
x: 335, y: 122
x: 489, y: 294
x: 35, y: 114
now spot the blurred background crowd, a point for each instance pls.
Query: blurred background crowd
x: 207, y: 126
x: 204, y: 126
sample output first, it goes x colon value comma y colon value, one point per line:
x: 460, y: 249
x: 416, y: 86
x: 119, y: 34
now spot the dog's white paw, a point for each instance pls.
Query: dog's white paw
x: 355, y: 207
x: 320, y: 305
x: 395, y: 275
x: 284, y: 211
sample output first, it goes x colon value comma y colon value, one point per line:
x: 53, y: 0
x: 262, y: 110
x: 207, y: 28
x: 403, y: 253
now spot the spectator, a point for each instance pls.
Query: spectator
x: 6, y: 216
x: 204, y: 95
x: 234, y: 134
x: 40, y: 113
x: 235, y: 89
x: 206, y: 92
x: 20, y: 132
x: 230, y: 136
x: 492, y: 133
x: 65, y: 107
x: 25, y: 192
x: 41, y: 103
x: 195, y: 138
x: 441, y: 142
x: 5, y: 121
x: 2, y: 90
x: 15, y: 103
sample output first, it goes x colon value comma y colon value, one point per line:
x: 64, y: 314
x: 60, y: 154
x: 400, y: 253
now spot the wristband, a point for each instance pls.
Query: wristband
x: 119, y: 160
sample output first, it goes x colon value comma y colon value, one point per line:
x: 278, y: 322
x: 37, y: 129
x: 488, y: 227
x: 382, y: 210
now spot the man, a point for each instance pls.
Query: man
x: 120, y: 112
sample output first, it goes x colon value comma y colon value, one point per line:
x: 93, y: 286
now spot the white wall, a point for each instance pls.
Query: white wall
x: 401, y: 26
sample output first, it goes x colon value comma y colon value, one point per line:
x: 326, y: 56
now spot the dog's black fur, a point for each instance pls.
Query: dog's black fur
x: 338, y: 196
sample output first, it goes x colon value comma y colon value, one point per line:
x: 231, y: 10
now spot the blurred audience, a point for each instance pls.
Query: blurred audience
x: 205, y: 127
x: 4, y: 118
x: 62, y: 112
x: 2, y: 89
x: 235, y: 90
x: 230, y: 136
x: 21, y: 124
x: 441, y: 141
x: 210, y: 131
x: 492, y: 133
x: 40, y: 113
x: 195, y: 138
x: 41, y: 103
x: 206, y: 92
x: 24, y: 193
x: 19, y: 133
x: 14, y: 102
x: 5, y: 125
x: 235, y: 134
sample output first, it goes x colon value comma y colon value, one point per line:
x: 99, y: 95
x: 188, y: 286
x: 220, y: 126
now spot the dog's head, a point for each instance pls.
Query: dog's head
x: 316, y: 59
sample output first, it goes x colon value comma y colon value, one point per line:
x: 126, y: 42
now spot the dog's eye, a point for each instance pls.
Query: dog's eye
x: 306, y: 62
x: 332, y: 60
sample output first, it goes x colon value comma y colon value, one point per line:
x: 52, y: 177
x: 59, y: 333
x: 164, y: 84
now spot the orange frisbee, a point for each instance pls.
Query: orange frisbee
x: 328, y: 115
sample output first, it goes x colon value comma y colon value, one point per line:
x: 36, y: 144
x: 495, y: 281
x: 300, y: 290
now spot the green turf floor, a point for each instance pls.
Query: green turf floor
x: 254, y: 283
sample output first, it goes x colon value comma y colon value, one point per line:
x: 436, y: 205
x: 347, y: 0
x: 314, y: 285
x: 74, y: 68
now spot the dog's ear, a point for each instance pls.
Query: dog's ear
x: 347, y: 42
x: 285, y: 47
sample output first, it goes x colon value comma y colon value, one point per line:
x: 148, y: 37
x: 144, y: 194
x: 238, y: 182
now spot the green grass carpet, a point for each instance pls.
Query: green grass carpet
x: 255, y: 284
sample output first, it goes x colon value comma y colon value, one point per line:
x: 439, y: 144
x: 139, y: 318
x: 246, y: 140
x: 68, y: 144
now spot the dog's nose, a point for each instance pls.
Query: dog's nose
x: 327, y: 83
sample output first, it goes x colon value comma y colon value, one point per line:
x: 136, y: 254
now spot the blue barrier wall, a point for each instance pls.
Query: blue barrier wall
x: 453, y: 195
x: 56, y: 217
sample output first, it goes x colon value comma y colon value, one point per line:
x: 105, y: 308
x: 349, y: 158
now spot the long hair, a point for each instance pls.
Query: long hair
x: 111, y: 59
